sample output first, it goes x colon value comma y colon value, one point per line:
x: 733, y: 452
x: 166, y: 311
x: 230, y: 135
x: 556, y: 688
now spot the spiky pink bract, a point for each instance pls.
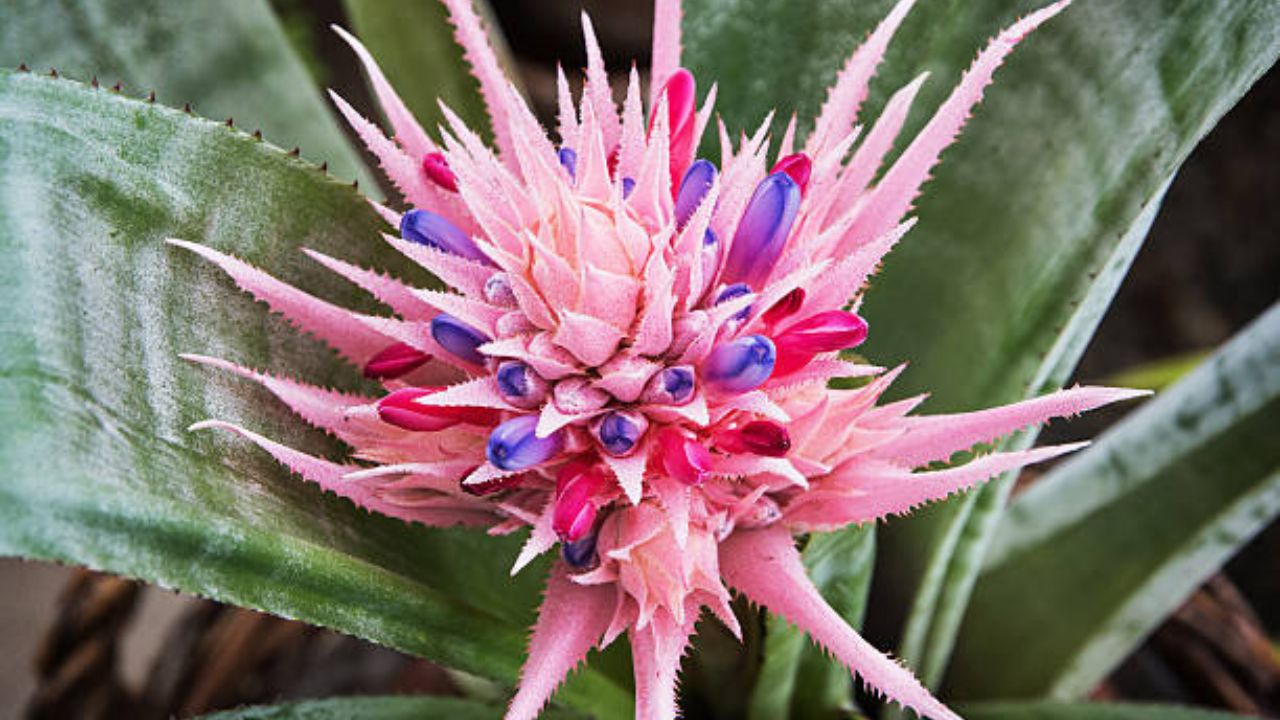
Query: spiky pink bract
x: 637, y: 374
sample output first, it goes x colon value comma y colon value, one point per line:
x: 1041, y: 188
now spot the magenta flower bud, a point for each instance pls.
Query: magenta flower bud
x: 762, y: 232
x: 436, y: 168
x: 798, y: 167
x: 394, y: 361
x: 514, y: 445
x: 786, y: 306
x: 671, y: 386
x: 497, y: 291
x: 758, y: 437
x: 824, y: 332
x: 683, y: 458
x: 740, y: 366
x: 694, y: 187
x: 681, y: 92
x: 577, y: 485
x: 620, y: 431
x: 458, y: 338
x: 427, y: 228
x: 401, y: 409
x: 569, y: 161
x: 519, y: 385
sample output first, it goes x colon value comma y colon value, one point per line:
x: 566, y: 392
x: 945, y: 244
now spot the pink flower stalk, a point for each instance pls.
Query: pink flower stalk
x: 634, y: 361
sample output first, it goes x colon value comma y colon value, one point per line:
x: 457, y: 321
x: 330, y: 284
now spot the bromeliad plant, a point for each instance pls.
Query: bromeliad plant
x: 633, y: 361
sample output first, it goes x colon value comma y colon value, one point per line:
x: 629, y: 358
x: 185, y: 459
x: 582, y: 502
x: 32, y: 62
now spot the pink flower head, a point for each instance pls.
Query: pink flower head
x: 634, y: 358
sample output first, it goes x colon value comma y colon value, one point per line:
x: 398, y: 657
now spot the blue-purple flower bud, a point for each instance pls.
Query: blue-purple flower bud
x: 519, y: 385
x: 671, y: 386
x: 458, y: 338
x: 628, y: 185
x: 730, y: 292
x: 569, y: 160
x: 740, y: 366
x: 697, y: 182
x: 497, y: 291
x: 619, y: 432
x: 514, y: 445
x: 581, y: 553
x: 762, y: 232
x: 427, y: 228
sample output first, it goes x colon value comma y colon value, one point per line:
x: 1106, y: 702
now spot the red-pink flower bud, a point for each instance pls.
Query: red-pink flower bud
x: 683, y: 458
x: 824, y: 332
x: 787, y: 306
x: 798, y: 166
x: 758, y: 437
x: 394, y: 361
x: 436, y: 168
x: 401, y: 409
x: 682, y: 111
x: 577, y: 485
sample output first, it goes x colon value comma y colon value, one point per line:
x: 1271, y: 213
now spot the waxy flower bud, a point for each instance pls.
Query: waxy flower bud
x: 670, y: 386
x: 514, y: 445
x: 393, y: 361
x: 580, y: 554
x: 436, y: 168
x: 458, y: 338
x: 680, y: 91
x: 427, y: 228
x: 825, y: 332
x: 577, y: 485
x: 739, y: 366
x: 683, y: 458
x: 569, y: 161
x: 758, y: 437
x: 694, y: 187
x: 730, y: 292
x: 619, y: 432
x: 786, y: 306
x: 762, y: 232
x: 400, y: 408
x: 497, y: 291
x: 628, y: 185
x: 798, y: 167
x: 519, y: 385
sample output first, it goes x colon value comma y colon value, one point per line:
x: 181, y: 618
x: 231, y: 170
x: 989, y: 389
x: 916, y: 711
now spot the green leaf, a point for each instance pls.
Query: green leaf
x: 1090, y: 711
x: 374, y: 708
x: 1031, y: 221
x: 413, y: 43
x: 96, y: 467
x: 797, y: 679
x: 1159, y: 374
x: 228, y: 59
x: 1093, y: 556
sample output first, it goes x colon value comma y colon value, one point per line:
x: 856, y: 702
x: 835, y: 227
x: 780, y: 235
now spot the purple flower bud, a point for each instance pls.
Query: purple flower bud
x: 740, y: 366
x: 628, y: 185
x: 497, y: 291
x: 712, y: 249
x: 520, y: 385
x: 569, y: 160
x: 730, y: 292
x: 762, y: 231
x: 671, y: 386
x: 581, y: 553
x: 619, y: 432
x: 513, y: 445
x: 458, y: 338
x: 427, y: 228
x: 697, y: 182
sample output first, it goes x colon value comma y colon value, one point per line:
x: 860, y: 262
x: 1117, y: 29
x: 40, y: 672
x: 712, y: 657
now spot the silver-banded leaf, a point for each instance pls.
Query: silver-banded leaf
x: 1032, y: 218
x: 96, y: 465
x: 1093, y: 556
x: 1090, y: 711
x: 375, y: 708
x: 228, y: 59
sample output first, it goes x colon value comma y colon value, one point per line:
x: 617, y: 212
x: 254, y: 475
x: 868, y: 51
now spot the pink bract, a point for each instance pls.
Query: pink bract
x: 640, y: 381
